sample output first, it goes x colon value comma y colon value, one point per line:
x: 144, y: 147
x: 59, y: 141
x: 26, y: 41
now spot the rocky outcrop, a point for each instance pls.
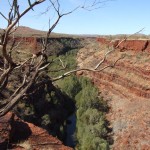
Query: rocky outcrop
x: 134, y: 45
x: 27, y: 136
x: 126, y: 87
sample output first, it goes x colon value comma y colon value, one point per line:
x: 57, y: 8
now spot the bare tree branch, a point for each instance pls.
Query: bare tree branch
x: 83, y: 69
x: 13, y: 101
x: 3, y: 16
x: 42, y: 68
x: 99, y: 64
x: 128, y: 37
x: 102, y: 61
x: 12, y: 24
x: 31, y: 68
x: 62, y: 63
x: 93, y: 5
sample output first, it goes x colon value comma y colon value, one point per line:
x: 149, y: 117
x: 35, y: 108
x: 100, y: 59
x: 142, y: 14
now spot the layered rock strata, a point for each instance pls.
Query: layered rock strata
x: 126, y: 87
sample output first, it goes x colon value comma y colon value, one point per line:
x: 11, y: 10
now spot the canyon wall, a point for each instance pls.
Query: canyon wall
x: 126, y: 88
x: 55, y: 45
x: 134, y: 45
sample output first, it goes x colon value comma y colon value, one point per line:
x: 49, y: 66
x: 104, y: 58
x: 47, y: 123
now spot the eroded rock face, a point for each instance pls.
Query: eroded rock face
x: 126, y: 87
x: 28, y: 136
x: 134, y: 45
x: 29, y: 45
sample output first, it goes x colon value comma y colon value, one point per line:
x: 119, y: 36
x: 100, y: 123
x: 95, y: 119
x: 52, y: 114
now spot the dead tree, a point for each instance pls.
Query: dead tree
x: 35, y: 64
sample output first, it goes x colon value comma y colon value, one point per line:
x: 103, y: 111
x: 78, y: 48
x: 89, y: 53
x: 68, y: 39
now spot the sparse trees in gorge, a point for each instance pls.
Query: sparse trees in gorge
x: 31, y: 68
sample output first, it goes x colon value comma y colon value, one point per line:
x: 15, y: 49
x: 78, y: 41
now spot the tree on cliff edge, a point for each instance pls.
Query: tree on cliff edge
x: 32, y: 67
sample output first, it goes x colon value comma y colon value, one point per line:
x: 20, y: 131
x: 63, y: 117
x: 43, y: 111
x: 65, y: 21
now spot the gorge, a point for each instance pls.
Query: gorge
x: 125, y: 87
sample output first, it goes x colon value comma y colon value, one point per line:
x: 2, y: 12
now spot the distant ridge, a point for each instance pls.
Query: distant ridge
x: 26, y: 31
x: 23, y: 31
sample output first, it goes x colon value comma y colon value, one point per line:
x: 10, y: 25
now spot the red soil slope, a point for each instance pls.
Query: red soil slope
x: 13, y: 129
x: 126, y: 88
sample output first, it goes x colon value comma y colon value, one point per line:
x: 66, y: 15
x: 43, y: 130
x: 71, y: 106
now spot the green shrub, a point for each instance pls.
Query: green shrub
x: 90, y: 107
x: 90, y: 113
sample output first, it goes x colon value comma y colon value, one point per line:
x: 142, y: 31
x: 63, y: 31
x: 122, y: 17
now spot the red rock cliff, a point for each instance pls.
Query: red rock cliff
x: 134, y: 45
x: 29, y: 44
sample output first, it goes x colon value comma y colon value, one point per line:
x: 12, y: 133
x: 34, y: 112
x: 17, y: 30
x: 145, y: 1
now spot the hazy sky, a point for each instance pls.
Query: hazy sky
x: 115, y: 17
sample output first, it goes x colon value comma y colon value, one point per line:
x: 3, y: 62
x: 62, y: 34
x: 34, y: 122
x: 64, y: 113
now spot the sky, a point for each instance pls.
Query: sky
x: 113, y: 17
